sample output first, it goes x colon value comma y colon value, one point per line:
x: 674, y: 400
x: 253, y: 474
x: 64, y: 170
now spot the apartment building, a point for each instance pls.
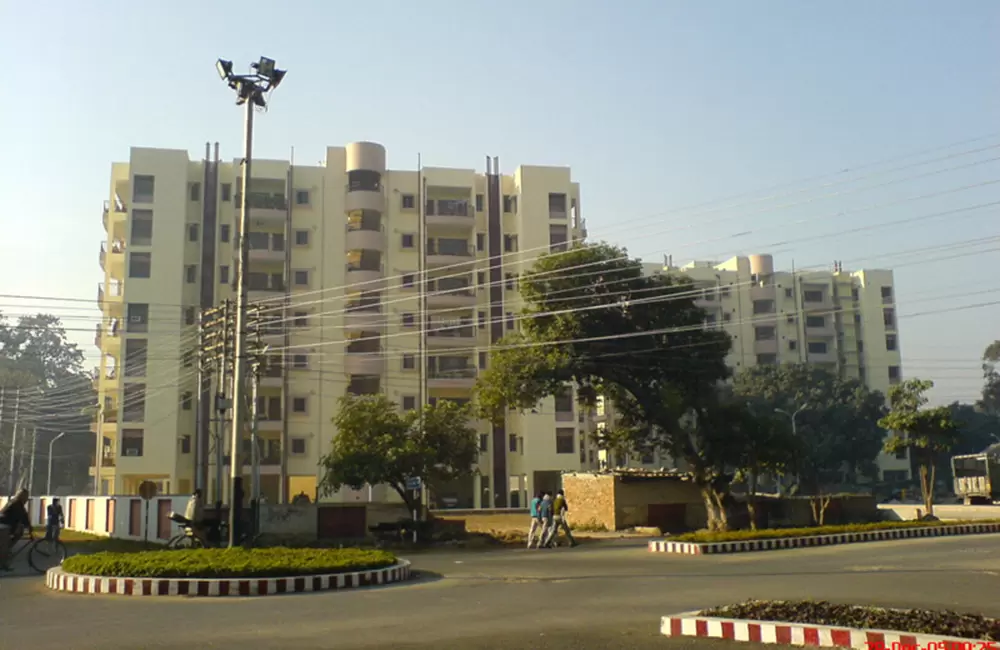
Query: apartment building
x: 334, y: 266
x: 844, y: 321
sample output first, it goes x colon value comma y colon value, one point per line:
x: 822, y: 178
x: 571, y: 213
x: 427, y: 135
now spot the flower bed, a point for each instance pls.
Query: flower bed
x: 709, y: 537
x: 228, y: 563
x: 911, y: 621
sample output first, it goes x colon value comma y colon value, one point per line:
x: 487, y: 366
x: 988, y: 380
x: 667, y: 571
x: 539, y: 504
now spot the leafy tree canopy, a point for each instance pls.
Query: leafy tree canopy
x: 377, y: 444
x: 990, y: 400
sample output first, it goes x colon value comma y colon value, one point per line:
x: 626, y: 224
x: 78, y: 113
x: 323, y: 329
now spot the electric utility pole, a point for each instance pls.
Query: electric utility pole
x: 11, y: 483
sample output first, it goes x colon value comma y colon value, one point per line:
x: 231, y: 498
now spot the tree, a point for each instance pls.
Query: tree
x: 990, y: 401
x: 375, y: 443
x: 593, y: 318
x: 928, y: 433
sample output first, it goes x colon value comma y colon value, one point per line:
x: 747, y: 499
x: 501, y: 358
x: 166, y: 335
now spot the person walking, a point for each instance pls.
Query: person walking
x: 54, y: 520
x: 14, y: 521
x: 559, y: 510
x: 545, y: 515
x: 536, y: 521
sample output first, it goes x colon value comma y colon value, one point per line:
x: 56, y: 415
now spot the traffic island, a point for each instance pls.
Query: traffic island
x: 742, y: 541
x: 825, y: 624
x: 226, y: 572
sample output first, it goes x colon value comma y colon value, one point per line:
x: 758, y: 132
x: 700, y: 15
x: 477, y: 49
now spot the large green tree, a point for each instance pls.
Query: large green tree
x: 990, y: 400
x: 928, y: 433
x: 593, y: 318
x: 836, y: 420
x: 375, y: 444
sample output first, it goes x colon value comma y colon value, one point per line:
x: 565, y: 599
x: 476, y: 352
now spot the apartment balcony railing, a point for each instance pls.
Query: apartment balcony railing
x: 262, y: 201
x: 451, y: 251
x: 109, y: 292
x: 451, y: 330
x: 116, y: 248
x: 468, y: 372
x: 448, y: 208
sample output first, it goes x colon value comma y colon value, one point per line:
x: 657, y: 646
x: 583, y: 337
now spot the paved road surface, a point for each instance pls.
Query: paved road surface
x: 600, y: 596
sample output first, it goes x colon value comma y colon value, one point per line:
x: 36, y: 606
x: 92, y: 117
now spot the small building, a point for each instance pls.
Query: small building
x: 626, y: 498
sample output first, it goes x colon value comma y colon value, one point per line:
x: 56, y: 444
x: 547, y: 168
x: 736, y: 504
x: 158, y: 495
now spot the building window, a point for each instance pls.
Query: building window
x: 143, y: 188
x: 480, y: 200
x: 131, y: 442
x: 134, y: 404
x: 138, y: 317
x: 815, y: 321
x: 893, y: 374
x: 557, y: 206
x: 224, y: 231
x: 565, y: 440
x: 301, y: 197
x: 301, y: 237
x: 511, y: 281
x: 564, y: 401
x: 483, y: 360
x: 407, y: 281
x: 886, y: 294
x: 763, y: 306
x: 190, y: 273
x: 793, y: 345
x: 194, y: 191
x: 767, y: 359
x: 300, y: 361
x: 510, y: 320
x: 816, y: 347
x: 227, y: 191
x: 300, y: 319
x: 409, y: 362
x: 300, y: 405
x: 484, y: 442
x: 764, y: 333
x: 480, y: 241
x: 891, y: 343
x: 224, y: 274
x: 135, y: 357
x: 407, y: 240
x: 301, y: 278
x: 141, y: 233
x: 726, y: 317
x: 889, y: 318
x: 298, y: 446
x: 409, y: 402
x: 140, y: 265
x: 407, y: 320
x: 482, y: 320
x: 408, y: 202
x: 812, y: 296
x: 512, y: 442
x: 192, y: 232
x: 186, y: 400
x: 185, y: 444
x: 189, y: 316
x: 788, y: 293
x: 510, y: 243
x: 481, y: 278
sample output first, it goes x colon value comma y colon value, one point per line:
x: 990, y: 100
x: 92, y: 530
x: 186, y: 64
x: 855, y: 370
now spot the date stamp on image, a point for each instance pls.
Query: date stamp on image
x: 936, y: 645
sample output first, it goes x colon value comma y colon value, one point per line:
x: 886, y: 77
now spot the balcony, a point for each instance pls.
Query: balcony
x: 364, y: 277
x: 112, y: 257
x: 438, y: 297
x: 463, y: 377
x: 110, y: 296
x: 364, y: 196
x: 766, y: 346
x: 364, y: 363
x: 271, y: 376
x: 114, y: 212
x: 265, y: 208
x: 450, y: 255
x: 359, y: 238
x: 363, y: 317
x: 269, y: 423
x: 268, y: 254
x: 450, y: 213
x: 106, y: 335
x: 451, y: 335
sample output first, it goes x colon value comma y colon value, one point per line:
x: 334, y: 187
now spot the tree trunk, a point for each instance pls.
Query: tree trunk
x: 819, y: 504
x: 752, y: 500
x: 717, y: 520
x: 405, y: 494
x: 927, y: 486
x: 720, y: 506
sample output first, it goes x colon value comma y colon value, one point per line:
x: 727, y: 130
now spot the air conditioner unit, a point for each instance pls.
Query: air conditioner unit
x: 131, y: 452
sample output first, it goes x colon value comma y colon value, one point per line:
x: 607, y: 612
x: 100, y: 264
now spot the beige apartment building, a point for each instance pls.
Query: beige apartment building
x: 334, y: 260
x: 844, y: 321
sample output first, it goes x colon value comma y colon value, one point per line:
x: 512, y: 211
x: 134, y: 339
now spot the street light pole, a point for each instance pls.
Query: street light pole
x: 793, y: 417
x: 48, y: 487
x: 250, y: 90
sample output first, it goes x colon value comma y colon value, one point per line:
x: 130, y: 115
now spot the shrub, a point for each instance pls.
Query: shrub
x: 706, y: 536
x: 228, y: 563
x: 913, y: 621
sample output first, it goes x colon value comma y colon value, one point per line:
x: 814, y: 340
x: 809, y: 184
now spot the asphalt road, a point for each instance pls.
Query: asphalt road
x: 606, y: 596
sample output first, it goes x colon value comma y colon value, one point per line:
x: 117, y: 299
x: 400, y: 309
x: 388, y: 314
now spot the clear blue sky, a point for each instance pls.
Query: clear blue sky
x: 656, y: 105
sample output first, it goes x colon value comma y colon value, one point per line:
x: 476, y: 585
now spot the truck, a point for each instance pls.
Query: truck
x: 977, y: 476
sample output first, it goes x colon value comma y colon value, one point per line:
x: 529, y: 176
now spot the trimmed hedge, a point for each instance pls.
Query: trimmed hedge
x: 707, y: 536
x: 912, y: 621
x: 228, y: 563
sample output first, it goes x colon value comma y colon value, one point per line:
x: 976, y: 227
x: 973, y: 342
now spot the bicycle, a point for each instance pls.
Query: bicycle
x: 43, y: 553
x: 218, y: 536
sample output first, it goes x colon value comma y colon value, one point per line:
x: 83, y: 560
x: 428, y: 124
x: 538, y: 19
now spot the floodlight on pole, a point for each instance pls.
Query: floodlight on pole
x: 250, y: 92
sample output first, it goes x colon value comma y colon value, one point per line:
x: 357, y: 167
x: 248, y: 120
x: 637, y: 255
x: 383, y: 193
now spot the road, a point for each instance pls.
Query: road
x: 608, y: 595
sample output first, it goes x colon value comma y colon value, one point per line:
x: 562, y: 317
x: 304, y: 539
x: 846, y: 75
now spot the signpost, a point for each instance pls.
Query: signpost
x: 147, y: 490
x: 415, y: 484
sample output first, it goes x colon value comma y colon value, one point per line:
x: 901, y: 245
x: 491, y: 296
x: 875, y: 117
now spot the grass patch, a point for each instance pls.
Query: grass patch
x: 707, y: 536
x: 912, y: 621
x: 228, y: 563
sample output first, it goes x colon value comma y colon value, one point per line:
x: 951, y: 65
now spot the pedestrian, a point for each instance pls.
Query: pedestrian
x: 559, y: 510
x: 545, y: 515
x: 536, y: 521
x: 54, y: 520
x: 195, y: 514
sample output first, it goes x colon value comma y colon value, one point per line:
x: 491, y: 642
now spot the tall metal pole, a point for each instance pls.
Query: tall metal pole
x: 31, y: 468
x: 239, y: 349
x: 99, y: 458
x: 221, y: 405
x: 254, y: 449
x: 48, y: 486
x: 13, y: 444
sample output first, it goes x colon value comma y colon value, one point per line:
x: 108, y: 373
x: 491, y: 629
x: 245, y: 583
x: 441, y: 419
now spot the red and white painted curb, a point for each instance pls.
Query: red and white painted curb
x: 803, y: 634
x: 58, y: 580
x: 693, y: 548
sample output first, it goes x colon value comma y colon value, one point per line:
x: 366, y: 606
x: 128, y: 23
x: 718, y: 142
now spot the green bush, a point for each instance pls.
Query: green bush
x: 913, y: 621
x: 707, y: 536
x: 228, y: 563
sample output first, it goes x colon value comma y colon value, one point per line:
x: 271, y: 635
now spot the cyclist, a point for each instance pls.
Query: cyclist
x: 14, y: 521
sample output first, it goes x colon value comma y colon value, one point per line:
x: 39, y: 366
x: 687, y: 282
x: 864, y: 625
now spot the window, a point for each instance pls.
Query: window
x: 408, y: 202
x: 140, y: 265
x: 790, y: 319
x: 194, y: 191
x: 793, y: 345
x: 135, y: 357
x: 558, y: 238
x: 143, y: 188
x: 131, y: 442
x: 189, y: 316
x: 298, y: 446
x: 227, y: 191
x: 886, y: 294
x: 510, y: 243
x: 788, y: 293
x: 481, y: 278
x: 480, y: 200
x: 893, y: 374
x: 480, y: 241
x: 138, y: 317
x: 891, y: 343
x: 192, y: 232
x: 564, y: 401
x: 483, y: 360
x: 510, y: 320
x: 888, y: 318
x: 301, y: 237
x: 763, y: 306
x: 767, y: 359
x: 409, y: 362
x: 512, y: 442
x: 510, y: 281
x: 141, y: 233
x: 557, y: 206
x: 482, y: 320
x: 565, y: 438
x: 300, y: 319
x: 185, y: 444
x: 407, y: 240
x: 407, y: 320
x: 301, y: 197
x: 190, y: 273
x: 224, y: 274
x: 724, y: 292
x: 726, y: 317
x: 300, y: 361
x: 855, y: 294
x: 300, y: 404
x: 764, y: 333
x: 816, y: 347
x: 815, y: 321
x: 409, y: 402
x: 484, y: 442
x: 509, y: 203
x: 186, y: 400
x: 224, y: 232
x: 301, y: 278
x: 134, y: 403
x: 407, y: 281
x: 812, y: 296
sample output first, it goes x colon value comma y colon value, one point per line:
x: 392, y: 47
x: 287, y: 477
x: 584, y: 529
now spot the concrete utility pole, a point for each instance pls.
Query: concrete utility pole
x: 48, y: 487
x: 31, y: 468
x: 250, y: 91
x: 11, y: 482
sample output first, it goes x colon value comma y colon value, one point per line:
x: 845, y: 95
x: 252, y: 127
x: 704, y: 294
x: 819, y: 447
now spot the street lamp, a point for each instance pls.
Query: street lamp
x: 48, y: 487
x: 793, y: 416
x: 250, y: 92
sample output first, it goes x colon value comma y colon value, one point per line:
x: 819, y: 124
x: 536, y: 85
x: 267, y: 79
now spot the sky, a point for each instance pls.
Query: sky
x: 696, y: 129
